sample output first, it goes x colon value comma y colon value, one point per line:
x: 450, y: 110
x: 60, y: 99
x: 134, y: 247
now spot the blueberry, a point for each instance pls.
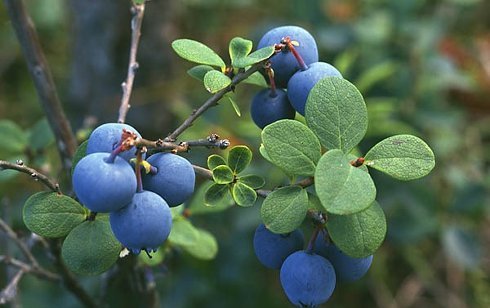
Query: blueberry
x: 102, y: 186
x: 143, y: 224
x: 267, y: 108
x: 174, y: 180
x: 284, y: 63
x: 106, y: 137
x: 272, y: 249
x: 346, y: 268
x: 307, y: 279
x: 301, y: 83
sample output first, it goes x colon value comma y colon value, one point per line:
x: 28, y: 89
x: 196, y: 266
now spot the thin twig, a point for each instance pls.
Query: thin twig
x: 37, y: 271
x: 211, y: 141
x: 138, y: 11
x: 36, y: 175
x: 10, y: 291
x: 43, y: 80
x: 213, y: 100
x: 22, y: 246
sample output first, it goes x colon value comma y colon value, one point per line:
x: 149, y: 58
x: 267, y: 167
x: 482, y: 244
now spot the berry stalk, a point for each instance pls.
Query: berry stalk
x: 272, y: 82
x: 289, y: 44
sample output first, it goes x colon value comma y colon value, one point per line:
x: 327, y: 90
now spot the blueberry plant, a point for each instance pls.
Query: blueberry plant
x: 129, y: 191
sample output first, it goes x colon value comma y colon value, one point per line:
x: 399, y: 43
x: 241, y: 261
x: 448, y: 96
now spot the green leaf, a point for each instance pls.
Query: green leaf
x: 79, y: 154
x: 375, y: 74
x: 239, y: 158
x: 337, y: 114
x: 239, y: 48
x: 90, y: 248
x: 252, y: 180
x: 223, y: 175
x: 215, y: 194
x: 156, y: 259
x: 215, y: 160
x: 358, y: 235
x: 40, y: 135
x: 235, y: 106
x: 284, y: 209
x: 183, y: 232
x: 255, y: 57
x: 314, y: 203
x: 256, y: 79
x: 197, y: 206
x: 342, y: 188
x: 292, y: 146
x: 197, y: 52
x: 215, y: 81
x: 14, y: 140
x: 243, y: 194
x: 198, y: 72
x: 205, y: 248
x: 52, y: 215
x: 404, y: 157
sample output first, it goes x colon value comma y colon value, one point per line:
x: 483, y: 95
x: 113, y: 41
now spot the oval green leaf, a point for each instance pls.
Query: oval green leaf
x: 52, y: 215
x: 215, y: 194
x: 284, y: 209
x: 342, y: 188
x: 239, y: 158
x: 14, y: 140
x: 183, y: 232
x: 243, y: 194
x: 252, y: 180
x: 358, y: 235
x: 337, y: 114
x: 205, y: 248
x: 215, y: 81
x: 197, y: 52
x: 404, y: 157
x: 215, y: 160
x: 235, y: 106
x: 239, y: 48
x: 198, y: 72
x: 292, y: 147
x: 223, y: 175
x: 256, y: 79
x: 197, y: 206
x: 255, y: 57
x: 90, y: 248
x: 40, y: 135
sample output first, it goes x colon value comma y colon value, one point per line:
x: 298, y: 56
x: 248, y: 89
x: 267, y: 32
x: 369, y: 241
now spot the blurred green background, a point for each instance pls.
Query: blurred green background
x: 423, y: 67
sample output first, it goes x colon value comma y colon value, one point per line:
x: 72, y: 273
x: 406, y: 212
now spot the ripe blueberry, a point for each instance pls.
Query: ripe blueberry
x: 106, y: 137
x: 267, y: 108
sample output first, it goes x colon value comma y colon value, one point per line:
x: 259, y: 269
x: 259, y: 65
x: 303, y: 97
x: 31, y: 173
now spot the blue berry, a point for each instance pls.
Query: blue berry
x: 272, y: 249
x: 307, y: 279
x: 106, y: 137
x: 301, y: 83
x: 174, y: 180
x: 266, y: 109
x: 143, y: 224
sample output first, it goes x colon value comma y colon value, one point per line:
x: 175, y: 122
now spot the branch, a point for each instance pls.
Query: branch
x: 22, y: 246
x: 43, y: 80
x: 37, y: 271
x: 213, y: 100
x: 37, y: 176
x: 10, y: 290
x: 211, y: 141
x: 138, y: 11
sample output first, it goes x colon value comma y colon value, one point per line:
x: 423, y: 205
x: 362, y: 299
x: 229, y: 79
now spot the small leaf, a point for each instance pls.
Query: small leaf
x: 80, y: 153
x: 235, y: 106
x: 256, y: 79
x: 215, y: 160
x: 223, y: 175
x: 14, y: 140
x: 215, y: 194
x: 342, y: 188
x: 239, y: 48
x: 40, y: 135
x: 91, y: 248
x: 215, y: 81
x: 358, y: 235
x: 292, y: 146
x: 243, y: 194
x: 284, y: 209
x: 183, y: 232
x: 255, y: 57
x: 198, y: 72
x: 375, y: 74
x: 197, y: 206
x: 404, y: 157
x: 52, y: 215
x: 206, y: 246
x: 253, y: 181
x: 156, y: 259
x: 239, y: 158
x: 197, y: 52
x: 337, y: 114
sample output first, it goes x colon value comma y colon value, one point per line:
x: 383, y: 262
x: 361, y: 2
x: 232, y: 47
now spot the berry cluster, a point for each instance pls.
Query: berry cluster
x: 295, y: 67
x: 308, y: 276
x: 105, y: 182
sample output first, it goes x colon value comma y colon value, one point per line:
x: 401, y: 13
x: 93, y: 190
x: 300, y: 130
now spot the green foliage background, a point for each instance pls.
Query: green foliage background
x: 422, y: 67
